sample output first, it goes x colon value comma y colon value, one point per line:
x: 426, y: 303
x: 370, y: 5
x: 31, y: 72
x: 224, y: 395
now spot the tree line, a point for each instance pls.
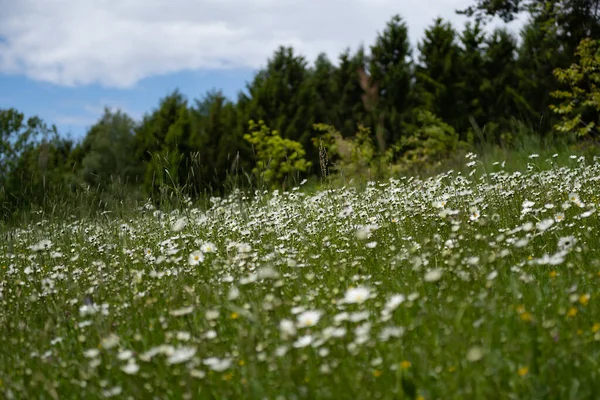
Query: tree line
x: 386, y: 108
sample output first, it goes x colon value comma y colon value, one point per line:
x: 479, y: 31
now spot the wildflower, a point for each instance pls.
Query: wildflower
x: 182, y: 311
x: 125, y: 355
x: 571, y: 312
x: 475, y: 354
x: 574, y: 198
x: 584, y: 299
x: 112, y: 392
x: 91, y: 353
x: 308, y: 318
x: 179, y: 224
x: 566, y: 242
x: 181, y: 354
x: 433, y: 275
x: 394, y: 301
x: 345, y: 212
x: 558, y: 217
x: 303, y: 341
x: 587, y: 213
x: 244, y: 248
x: 212, y: 315
x: 287, y: 328
x: 356, y: 295
x: 391, y: 331
x: 198, y: 374
x: 41, y: 245
x: 523, y: 371
x: 233, y: 293
x: 405, y: 364
x: 162, y: 349
x: 362, y: 234
x: 527, y: 226
x: 208, y: 247
x: 526, y: 316
x: 544, y: 224
x: 196, y: 258
x: 131, y: 368
x: 218, y: 364
x: 110, y: 341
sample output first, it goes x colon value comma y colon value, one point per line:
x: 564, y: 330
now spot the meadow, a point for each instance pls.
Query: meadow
x: 474, y: 285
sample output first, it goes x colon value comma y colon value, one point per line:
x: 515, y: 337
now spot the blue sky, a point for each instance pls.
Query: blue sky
x: 64, y: 60
x: 74, y: 109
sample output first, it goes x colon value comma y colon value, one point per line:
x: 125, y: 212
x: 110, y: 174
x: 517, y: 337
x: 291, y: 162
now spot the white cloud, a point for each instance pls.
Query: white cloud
x: 118, y: 42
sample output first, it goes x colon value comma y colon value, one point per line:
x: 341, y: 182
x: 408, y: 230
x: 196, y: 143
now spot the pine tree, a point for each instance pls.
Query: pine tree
x: 439, y: 79
x: 280, y: 95
x: 472, y: 64
x: 219, y: 144
x: 348, y: 109
x: 321, y: 87
x: 539, y: 54
x: 164, y: 144
x: 390, y: 70
x: 499, y: 94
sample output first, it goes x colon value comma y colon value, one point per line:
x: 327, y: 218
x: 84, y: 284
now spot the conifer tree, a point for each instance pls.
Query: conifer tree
x: 439, y: 77
x: 472, y: 65
x: 280, y: 96
x: 219, y: 146
x: 503, y: 103
x: 348, y: 109
x: 390, y: 70
x: 164, y: 144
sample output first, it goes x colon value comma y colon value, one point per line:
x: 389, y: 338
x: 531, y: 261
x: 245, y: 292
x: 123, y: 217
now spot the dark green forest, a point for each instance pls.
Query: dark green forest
x: 380, y: 111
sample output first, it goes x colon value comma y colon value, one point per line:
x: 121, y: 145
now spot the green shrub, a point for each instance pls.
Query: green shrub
x: 431, y: 141
x: 580, y: 107
x: 277, y: 158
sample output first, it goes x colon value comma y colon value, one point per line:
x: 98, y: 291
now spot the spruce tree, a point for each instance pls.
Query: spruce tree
x: 439, y: 76
x: 390, y: 70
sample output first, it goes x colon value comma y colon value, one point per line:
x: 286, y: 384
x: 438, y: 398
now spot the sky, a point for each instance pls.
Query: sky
x: 65, y: 60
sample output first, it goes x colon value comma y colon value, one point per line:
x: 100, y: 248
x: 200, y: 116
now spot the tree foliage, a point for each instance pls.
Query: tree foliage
x: 108, y: 149
x: 580, y: 106
x: 277, y: 158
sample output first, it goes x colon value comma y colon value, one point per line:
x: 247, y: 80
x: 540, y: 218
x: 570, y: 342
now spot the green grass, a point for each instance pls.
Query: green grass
x: 471, y: 294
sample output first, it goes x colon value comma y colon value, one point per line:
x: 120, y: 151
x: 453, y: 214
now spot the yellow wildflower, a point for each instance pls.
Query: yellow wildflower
x: 526, y: 316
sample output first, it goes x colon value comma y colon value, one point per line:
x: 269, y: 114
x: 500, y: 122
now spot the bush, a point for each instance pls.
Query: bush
x: 277, y: 158
x: 431, y: 142
x: 580, y: 107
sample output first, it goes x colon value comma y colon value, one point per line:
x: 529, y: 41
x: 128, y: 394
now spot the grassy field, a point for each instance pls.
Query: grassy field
x: 483, y: 285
